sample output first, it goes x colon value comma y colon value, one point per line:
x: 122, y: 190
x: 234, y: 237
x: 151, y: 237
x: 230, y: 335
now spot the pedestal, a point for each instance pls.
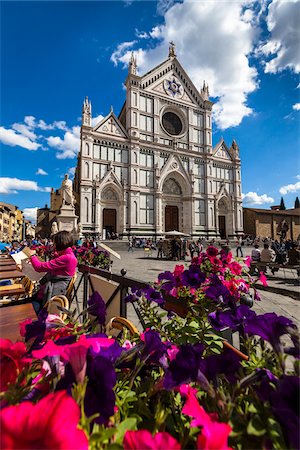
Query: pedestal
x: 67, y: 220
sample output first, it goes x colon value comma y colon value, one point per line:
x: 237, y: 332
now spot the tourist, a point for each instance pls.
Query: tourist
x: 255, y: 253
x: 267, y: 254
x: 59, y: 270
x: 239, y: 243
x: 294, y: 255
x: 160, y: 248
x: 130, y: 246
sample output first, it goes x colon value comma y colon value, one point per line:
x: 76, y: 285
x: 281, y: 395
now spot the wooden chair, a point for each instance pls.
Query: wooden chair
x: 71, y: 287
x: 53, y: 304
x: 118, y: 323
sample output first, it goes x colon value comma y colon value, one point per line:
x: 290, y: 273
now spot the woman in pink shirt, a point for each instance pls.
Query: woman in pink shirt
x: 59, y: 270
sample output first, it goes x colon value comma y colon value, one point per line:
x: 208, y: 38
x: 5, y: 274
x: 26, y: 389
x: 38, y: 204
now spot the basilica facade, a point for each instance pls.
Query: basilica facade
x: 153, y: 168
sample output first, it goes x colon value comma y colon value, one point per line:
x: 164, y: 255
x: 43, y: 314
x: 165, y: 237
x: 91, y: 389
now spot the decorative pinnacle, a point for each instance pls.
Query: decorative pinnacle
x: 172, y: 53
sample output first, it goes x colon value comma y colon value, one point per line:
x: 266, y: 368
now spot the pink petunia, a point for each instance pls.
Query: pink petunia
x: 143, y: 439
x: 11, y: 362
x: 263, y: 279
x: 22, y: 326
x: 247, y: 261
x: 74, y: 353
x: 214, y: 434
x: 52, y: 423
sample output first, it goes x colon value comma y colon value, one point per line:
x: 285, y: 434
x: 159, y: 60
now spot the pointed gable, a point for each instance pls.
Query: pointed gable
x: 111, y: 126
x: 170, y: 80
x: 221, y: 151
x: 173, y: 163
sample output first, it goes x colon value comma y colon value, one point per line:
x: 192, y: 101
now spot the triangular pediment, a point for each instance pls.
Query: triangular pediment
x: 170, y: 80
x: 110, y: 178
x: 223, y: 194
x: 111, y: 126
x: 221, y: 151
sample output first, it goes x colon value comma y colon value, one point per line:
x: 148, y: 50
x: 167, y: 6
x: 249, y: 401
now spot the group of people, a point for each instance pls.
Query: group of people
x: 279, y: 253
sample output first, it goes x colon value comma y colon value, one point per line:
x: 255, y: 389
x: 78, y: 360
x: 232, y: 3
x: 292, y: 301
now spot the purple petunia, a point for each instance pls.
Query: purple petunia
x: 152, y: 295
x: 270, y: 327
x: 235, y: 319
x: 100, y: 397
x: 185, y: 367
x: 97, y: 307
x: 217, y: 291
x: 168, y: 280
x: 193, y: 277
x: 154, y: 347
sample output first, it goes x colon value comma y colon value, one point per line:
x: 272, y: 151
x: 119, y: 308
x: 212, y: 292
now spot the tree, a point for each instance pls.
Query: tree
x: 282, y: 205
x: 297, y: 203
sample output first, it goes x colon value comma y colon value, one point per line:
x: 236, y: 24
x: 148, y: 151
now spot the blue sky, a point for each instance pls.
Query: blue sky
x: 55, y: 53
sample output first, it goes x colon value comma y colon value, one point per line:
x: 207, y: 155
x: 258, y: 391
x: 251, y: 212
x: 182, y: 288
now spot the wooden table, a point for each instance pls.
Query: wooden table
x: 7, y: 262
x: 12, y: 290
x: 8, y: 267
x: 11, y: 274
x: 11, y: 316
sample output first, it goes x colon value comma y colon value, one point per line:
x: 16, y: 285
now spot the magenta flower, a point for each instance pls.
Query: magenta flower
x: 142, y: 439
x: 74, y: 353
x: 212, y: 251
x: 50, y: 423
x: 214, y: 435
x: 247, y: 261
x: 11, y: 362
x: 263, y: 279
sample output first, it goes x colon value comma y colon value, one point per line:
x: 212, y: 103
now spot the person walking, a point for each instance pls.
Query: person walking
x: 160, y: 249
x: 239, y: 247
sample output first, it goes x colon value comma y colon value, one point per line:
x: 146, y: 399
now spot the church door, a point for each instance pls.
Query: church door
x: 110, y: 220
x: 222, y: 227
x: 171, y: 218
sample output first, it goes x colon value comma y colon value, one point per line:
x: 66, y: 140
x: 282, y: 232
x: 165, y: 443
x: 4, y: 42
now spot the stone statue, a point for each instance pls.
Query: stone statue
x: 67, y: 192
x: 79, y: 229
x: 54, y: 228
x: 172, y: 53
x: 283, y: 228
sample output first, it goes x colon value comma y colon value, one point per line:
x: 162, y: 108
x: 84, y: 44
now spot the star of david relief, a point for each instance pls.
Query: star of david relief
x: 173, y: 88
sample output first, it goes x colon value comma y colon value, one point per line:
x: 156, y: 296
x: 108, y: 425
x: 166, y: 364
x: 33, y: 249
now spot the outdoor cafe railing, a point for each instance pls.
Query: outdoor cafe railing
x: 121, y: 288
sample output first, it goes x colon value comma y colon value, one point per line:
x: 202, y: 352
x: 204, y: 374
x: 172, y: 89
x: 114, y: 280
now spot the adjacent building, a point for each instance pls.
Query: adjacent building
x: 153, y: 168
x: 11, y: 222
x: 265, y: 223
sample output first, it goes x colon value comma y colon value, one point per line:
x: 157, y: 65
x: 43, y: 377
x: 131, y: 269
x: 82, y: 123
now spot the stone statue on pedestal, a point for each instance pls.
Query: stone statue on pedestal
x: 67, y: 192
x: 79, y: 229
x: 54, y: 228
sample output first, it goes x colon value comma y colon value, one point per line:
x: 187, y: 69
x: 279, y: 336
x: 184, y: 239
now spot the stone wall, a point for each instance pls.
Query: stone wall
x: 266, y: 223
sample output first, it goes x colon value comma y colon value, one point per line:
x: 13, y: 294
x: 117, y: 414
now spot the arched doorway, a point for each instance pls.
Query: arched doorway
x: 172, y: 194
x: 109, y: 201
x: 223, y: 224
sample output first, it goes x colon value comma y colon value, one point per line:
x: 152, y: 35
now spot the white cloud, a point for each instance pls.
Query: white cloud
x: 13, y: 185
x: 25, y: 130
x: 30, y: 213
x: 296, y: 106
x: 41, y: 172
x: 290, y: 188
x: 283, y: 45
x: 96, y: 120
x: 298, y: 177
x: 141, y: 34
x: 11, y: 138
x: 68, y: 146
x: 117, y: 54
x: 213, y: 43
x: 71, y: 171
x: 156, y: 32
x: 59, y: 124
x: 252, y: 198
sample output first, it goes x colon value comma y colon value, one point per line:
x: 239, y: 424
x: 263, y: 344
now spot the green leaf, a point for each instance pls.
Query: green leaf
x: 252, y: 408
x: 256, y: 427
x: 127, y: 424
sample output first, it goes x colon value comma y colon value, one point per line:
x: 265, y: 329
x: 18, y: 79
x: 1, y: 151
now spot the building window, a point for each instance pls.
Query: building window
x: 199, y: 169
x: 96, y: 152
x: 146, y: 159
x: 135, y: 212
x: 199, y: 213
x: 134, y: 98
x: 125, y: 156
x: 134, y: 119
x: 198, y: 136
x: 146, y: 178
x: 87, y: 170
x: 146, y: 209
x: 212, y: 217
x: 199, y: 186
x: 146, y: 123
x: 134, y: 176
x: 198, y: 119
x: 86, y: 204
x: 87, y: 149
x: 146, y: 104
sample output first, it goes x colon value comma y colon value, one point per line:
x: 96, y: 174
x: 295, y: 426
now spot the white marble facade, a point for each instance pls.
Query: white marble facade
x: 154, y: 168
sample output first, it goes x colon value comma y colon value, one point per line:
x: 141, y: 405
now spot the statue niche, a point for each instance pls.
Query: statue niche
x: 171, y: 187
